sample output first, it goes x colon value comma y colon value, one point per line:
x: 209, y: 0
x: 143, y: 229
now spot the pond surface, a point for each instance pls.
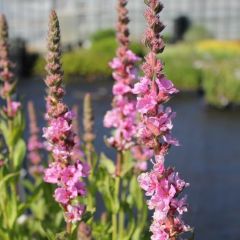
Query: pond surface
x: 209, y: 158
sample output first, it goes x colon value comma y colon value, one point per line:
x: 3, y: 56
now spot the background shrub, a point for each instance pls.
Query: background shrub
x: 197, y: 33
x: 103, y: 34
x: 222, y: 83
x: 179, y: 63
x: 92, y: 62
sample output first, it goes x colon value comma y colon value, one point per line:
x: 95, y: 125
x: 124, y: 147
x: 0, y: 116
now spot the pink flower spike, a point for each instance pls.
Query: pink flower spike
x: 162, y: 186
x: 66, y: 171
x: 122, y: 118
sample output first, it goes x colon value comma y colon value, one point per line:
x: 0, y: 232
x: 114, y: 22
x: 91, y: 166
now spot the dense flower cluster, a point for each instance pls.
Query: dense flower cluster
x: 34, y: 144
x: 6, y: 75
x: 154, y: 131
x: 163, y: 186
x: 65, y: 170
x: 122, y: 117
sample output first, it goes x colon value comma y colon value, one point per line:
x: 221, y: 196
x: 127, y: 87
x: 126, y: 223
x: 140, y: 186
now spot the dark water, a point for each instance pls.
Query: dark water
x: 209, y: 158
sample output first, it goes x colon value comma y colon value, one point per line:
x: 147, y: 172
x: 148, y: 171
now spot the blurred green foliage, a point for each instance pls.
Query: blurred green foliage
x: 197, y: 33
x: 222, y: 82
x: 193, y: 64
x: 103, y: 34
x: 179, y: 63
x: 90, y: 63
x: 219, y: 64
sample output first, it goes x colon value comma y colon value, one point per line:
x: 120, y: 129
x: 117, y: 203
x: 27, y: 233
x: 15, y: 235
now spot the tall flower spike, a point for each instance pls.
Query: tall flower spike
x: 6, y: 74
x: 5, y: 64
x: 162, y: 185
x: 78, y: 153
x: 34, y: 144
x: 122, y: 117
x: 54, y: 79
x: 88, y: 122
x: 65, y: 171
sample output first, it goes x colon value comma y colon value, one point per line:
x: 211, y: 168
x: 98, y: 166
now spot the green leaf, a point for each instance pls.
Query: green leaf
x: 88, y: 215
x: 105, y: 185
x: 12, y: 210
x: 50, y: 235
x: 193, y: 235
x: 62, y: 236
x: 8, y: 177
x: 130, y: 229
x: 141, y: 223
x: 107, y: 163
x: 4, y: 235
x: 127, y: 164
x: 136, y: 194
x: 5, y: 131
x: 18, y: 128
x: 19, y: 153
x: 28, y: 185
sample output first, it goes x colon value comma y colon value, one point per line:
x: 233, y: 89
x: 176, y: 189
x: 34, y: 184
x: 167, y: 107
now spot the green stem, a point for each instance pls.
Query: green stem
x: 69, y: 228
x: 121, y: 224
x: 114, y: 226
x: 115, y: 215
x: 91, y: 178
x: 122, y: 213
x: 89, y: 154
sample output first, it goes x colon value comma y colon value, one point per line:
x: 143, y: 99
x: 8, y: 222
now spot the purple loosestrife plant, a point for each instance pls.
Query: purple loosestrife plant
x: 12, y: 123
x: 126, y: 196
x: 88, y: 124
x: 35, y: 146
x: 122, y: 117
x: 13, y: 147
x: 64, y: 171
x: 92, y: 158
x: 162, y: 185
x: 6, y: 75
x: 78, y: 153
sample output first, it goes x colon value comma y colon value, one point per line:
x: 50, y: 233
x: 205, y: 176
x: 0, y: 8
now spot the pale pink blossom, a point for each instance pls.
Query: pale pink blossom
x: 12, y: 109
x: 121, y: 88
x: 52, y: 174
x: 142, y: 86
x: 62, y: 195
x: 162, y: 186
x: 74, y: 213
x: 146, y: 103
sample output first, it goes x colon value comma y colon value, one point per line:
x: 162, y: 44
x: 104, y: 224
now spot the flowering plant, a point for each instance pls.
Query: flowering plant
x: 59, y: 198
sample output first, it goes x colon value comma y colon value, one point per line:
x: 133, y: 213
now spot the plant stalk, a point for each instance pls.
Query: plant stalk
x: 69, y: 228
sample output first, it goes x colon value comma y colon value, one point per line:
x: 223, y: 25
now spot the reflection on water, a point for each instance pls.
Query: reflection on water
x: 209, y: 157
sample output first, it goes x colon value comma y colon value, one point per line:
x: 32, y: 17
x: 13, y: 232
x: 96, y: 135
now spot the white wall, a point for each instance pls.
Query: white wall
x: 80, y: 18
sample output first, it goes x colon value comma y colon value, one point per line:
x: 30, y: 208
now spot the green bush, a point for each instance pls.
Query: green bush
x: 222, y: 83
x: 89, y: 63
x: 38, y: 68
x: 103, y: 34
x: 179, y: 63
x: 197, y: 33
